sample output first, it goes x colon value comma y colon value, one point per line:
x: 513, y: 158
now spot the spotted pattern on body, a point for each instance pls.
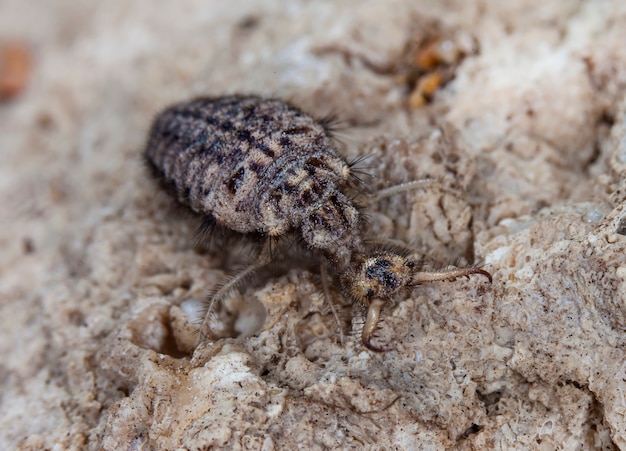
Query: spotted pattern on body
x: 263, y: 166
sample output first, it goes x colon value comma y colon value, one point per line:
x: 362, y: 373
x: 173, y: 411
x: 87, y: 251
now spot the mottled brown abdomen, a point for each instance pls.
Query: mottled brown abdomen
x: 251, y: 164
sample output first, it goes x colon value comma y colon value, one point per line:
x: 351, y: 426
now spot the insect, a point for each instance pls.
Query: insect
x: 265, y: 168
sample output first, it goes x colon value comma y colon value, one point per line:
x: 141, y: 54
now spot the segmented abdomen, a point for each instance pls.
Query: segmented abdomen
x: 252, y: 164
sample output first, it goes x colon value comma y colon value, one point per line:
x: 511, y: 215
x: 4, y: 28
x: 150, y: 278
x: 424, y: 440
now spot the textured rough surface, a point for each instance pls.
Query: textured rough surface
x: 100, y: 278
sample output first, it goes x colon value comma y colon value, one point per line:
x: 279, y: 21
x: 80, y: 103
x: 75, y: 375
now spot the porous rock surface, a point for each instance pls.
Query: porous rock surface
x: 100, y: 279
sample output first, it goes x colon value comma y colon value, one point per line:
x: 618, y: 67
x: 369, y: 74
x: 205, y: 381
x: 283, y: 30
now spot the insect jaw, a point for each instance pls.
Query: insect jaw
x: 425, y: 276
x: 371, y: 321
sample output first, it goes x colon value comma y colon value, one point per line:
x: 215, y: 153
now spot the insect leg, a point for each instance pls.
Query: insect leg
x: 263, y: 259
x: 324, y: 275
x: 410, y: 186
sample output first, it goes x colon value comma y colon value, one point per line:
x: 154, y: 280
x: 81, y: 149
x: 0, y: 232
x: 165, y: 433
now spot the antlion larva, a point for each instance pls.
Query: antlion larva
x: 264, y: 167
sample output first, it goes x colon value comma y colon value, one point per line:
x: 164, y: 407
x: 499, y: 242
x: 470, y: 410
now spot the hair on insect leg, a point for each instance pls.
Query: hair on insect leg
x: 222, y: 292
x: 208, y: 326
x: 233, y: 283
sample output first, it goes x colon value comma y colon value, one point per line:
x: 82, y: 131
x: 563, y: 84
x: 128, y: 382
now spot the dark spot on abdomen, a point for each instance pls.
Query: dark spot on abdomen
x: 235, y: 182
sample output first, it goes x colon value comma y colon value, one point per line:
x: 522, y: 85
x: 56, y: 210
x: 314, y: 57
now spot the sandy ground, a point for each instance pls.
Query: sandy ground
x: 100, y: 277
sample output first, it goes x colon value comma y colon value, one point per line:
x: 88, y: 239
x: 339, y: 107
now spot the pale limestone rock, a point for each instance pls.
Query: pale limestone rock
x: 100, y: 282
